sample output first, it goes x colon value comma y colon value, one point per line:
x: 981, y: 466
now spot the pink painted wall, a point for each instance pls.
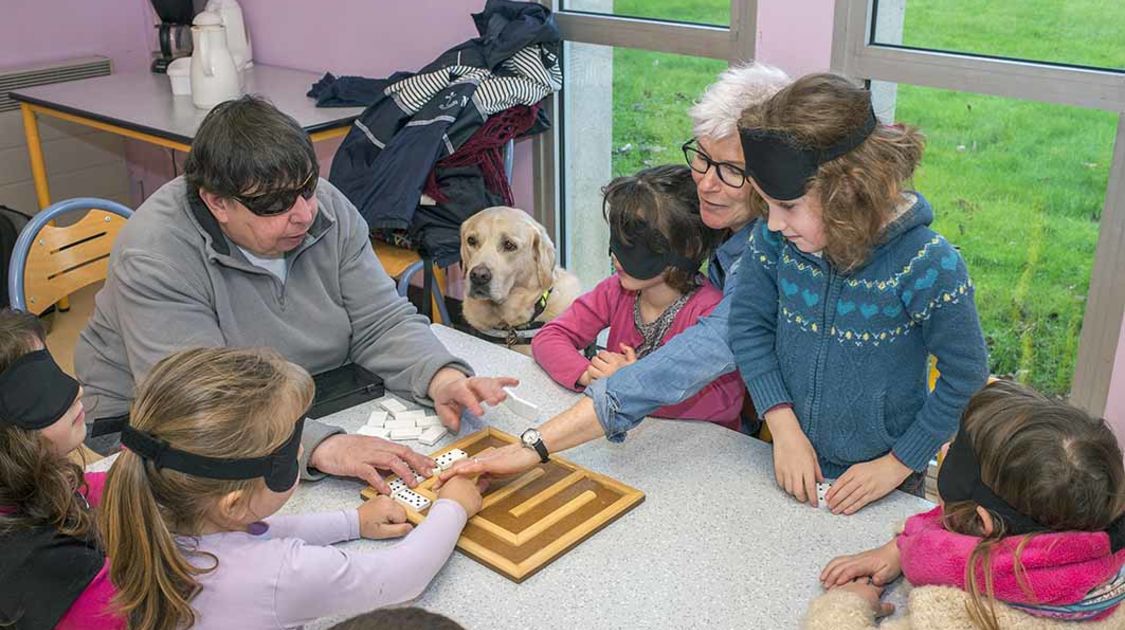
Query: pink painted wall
x: 1115, y: 405
x: 372, y: 39
x: 796, y: 35
x: 49, y: 30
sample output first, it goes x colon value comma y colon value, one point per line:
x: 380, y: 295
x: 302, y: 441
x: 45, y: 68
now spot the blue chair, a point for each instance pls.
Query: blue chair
x: 51, y: 262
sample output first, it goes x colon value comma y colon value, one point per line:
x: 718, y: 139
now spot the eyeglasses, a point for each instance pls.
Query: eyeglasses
x: 700, y: 162
x: 277, y: 202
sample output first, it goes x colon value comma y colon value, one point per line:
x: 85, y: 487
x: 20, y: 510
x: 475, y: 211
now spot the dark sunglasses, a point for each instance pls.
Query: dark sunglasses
x: 277, y: 202
x: 700, y: 162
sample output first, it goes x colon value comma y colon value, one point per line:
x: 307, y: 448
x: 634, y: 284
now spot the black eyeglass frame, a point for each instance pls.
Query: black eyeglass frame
x: 691, y: 147
x: 275, y: 202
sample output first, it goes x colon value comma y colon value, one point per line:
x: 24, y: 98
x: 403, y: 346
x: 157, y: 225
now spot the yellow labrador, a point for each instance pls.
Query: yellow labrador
x: 509, y: 263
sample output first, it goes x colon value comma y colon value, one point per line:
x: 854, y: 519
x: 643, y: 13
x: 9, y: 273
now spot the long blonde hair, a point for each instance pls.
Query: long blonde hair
x: 219, y: 402
x: 1048, y: 460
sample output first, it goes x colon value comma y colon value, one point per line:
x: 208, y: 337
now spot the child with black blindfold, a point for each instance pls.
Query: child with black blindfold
x: 188, y: 515
x: 657, y: 243
x: 843, y: 294
x: 1029, y: 533
x: 53, y: 572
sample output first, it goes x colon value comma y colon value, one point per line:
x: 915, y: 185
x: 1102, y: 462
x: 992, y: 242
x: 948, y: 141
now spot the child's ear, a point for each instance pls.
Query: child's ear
x: 232, y: 509
x: 986, y: 524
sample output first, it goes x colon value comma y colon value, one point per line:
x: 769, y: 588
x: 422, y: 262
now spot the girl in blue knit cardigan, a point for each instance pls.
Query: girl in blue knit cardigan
x: 843, y: 294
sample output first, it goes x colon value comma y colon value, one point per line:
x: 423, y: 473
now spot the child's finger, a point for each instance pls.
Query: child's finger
x: 863, y: 499
x: 629, y: 352
x: 394, y: 530
x: 810, y: 488
x: 886, y: 609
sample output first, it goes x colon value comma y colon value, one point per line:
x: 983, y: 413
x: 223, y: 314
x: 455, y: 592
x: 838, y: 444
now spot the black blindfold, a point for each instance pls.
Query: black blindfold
x: 644, y: 253
x: 959, y: 480
x: 280, y: 468
x: 35, y: 392
x: 782, y: 168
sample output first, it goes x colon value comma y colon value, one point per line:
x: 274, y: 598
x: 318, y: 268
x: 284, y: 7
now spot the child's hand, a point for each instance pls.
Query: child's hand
x: 794, y: 459
x: 464, y: 490
x: 881, y: 564
x: 871, y: 593
x: 381, y: 517
x: 863, y: 483
x: 606, y: 363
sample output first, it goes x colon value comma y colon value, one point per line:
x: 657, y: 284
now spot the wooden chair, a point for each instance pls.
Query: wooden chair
x: 51, y: 262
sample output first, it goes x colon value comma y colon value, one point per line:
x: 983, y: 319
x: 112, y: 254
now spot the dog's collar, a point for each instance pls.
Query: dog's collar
x: 520, y: 335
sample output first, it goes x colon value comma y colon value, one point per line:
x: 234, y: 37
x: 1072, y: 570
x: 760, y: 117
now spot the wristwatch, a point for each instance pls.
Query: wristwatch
x: 531, y: 439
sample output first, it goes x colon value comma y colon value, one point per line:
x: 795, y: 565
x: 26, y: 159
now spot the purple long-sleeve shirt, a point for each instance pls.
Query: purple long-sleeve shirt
x: 291, y: 575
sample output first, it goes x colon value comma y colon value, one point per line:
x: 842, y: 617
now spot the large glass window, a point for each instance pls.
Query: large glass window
x: 1076, y: 32
x: 695, y: 11
x: 1019, y: 187
x: 623, y: 110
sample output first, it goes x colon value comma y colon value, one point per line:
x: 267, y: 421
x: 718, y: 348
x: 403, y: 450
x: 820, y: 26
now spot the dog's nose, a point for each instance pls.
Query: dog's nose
x: 480, y: 275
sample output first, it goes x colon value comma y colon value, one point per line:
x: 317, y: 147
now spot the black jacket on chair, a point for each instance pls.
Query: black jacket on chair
x: 419, y: 118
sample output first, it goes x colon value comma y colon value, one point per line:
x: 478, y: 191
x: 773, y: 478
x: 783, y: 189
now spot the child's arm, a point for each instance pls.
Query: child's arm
x: 850, y: 607
x: 316, y: 581
x: 951, y: 331
x: 753, y: 326
x: 318, y: 528
x: 557, y: 347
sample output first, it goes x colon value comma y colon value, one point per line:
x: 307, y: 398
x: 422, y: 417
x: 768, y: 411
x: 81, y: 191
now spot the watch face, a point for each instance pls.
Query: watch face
x: 530, y: 437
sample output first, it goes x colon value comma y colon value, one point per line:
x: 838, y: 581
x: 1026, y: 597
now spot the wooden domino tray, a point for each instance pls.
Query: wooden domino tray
x: 529, y: 520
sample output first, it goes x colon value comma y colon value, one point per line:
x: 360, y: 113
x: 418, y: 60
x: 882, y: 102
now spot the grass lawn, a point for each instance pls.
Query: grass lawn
x: 1018, y: 186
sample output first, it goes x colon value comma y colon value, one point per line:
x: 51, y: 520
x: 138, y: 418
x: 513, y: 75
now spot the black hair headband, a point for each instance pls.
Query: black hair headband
x: 647, y: 253
x: 782, y: 167
x: 35, y: 392
x: 279, y: 468
x: 959, y: 480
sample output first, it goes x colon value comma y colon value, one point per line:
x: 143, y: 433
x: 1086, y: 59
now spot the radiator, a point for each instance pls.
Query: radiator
x: 57, y: 72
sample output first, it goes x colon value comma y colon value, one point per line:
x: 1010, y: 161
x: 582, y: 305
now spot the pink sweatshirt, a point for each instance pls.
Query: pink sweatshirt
x: 91, y: 610
x: 1061, y: 567
x: 557, y: 347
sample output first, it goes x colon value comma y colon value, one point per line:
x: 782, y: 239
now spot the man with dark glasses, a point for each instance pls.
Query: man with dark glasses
x: 251, y: 247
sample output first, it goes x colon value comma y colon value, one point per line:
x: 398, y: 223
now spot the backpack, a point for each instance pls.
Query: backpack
x: 12, y: 221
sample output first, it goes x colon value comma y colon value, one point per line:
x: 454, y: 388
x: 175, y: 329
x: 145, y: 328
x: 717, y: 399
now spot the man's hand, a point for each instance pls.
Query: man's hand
x: 863, y: 483
x: 453, y: 392
x: 359, y: 456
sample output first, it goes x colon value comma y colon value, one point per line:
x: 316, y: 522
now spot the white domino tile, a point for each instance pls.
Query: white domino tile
x: 411, y: 499
x: 429, y: 421
x: 431, y: 435
x: 409, y: 415
x: 371, y: 431
x: 446, y: 459
x: 412, y: 433
x: 392, y: 405
x: 377, y: 418
x: 399, y: 424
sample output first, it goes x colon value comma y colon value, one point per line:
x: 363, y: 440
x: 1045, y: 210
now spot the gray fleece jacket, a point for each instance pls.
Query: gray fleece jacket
x: 176, y: 281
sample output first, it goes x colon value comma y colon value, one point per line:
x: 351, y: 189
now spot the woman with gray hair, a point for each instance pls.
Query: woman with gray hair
x: 700, y: 354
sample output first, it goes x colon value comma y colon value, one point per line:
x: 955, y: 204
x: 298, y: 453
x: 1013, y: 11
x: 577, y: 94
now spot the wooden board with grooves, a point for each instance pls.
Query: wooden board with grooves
x: 531, y: 519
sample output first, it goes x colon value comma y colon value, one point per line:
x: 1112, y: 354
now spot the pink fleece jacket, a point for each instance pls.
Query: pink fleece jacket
x: 557, y: 347
x: 1061, y: 567
x: 91, y: 610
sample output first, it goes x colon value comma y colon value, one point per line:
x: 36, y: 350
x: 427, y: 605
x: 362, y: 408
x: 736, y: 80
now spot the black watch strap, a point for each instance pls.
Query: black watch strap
x: 541, y: 448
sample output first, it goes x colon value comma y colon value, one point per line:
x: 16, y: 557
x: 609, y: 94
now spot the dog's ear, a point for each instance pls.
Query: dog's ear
x: 465, y: 225
x: 544, y: 256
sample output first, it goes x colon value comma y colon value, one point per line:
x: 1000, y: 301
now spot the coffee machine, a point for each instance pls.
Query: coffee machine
x: 174, y: 30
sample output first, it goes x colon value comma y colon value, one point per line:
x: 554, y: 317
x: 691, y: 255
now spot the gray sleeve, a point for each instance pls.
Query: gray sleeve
x: 315, y: 432
x: 389, y: 337
x: 161, y: 309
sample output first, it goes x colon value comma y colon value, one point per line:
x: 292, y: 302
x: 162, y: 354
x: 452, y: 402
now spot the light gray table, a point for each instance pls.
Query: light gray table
x: 141, y: 106
x: 715, y: 544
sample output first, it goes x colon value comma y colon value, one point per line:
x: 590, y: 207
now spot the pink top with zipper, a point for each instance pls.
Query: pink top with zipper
x: 557, y: 347
x: 91, y: 610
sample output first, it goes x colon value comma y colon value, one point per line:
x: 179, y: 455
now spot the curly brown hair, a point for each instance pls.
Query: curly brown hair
x: 38, y: 487
x: 664, y: 198
x: 1045, y: 458
x: 858, y: 191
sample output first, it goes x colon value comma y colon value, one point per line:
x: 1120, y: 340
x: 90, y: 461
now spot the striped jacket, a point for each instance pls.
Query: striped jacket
x: 420, y: 118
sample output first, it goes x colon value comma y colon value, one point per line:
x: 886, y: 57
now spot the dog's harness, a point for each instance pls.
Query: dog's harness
x: 518, y: 335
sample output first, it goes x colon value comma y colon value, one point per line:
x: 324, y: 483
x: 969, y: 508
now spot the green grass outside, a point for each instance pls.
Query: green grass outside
x: 1018, y: 186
